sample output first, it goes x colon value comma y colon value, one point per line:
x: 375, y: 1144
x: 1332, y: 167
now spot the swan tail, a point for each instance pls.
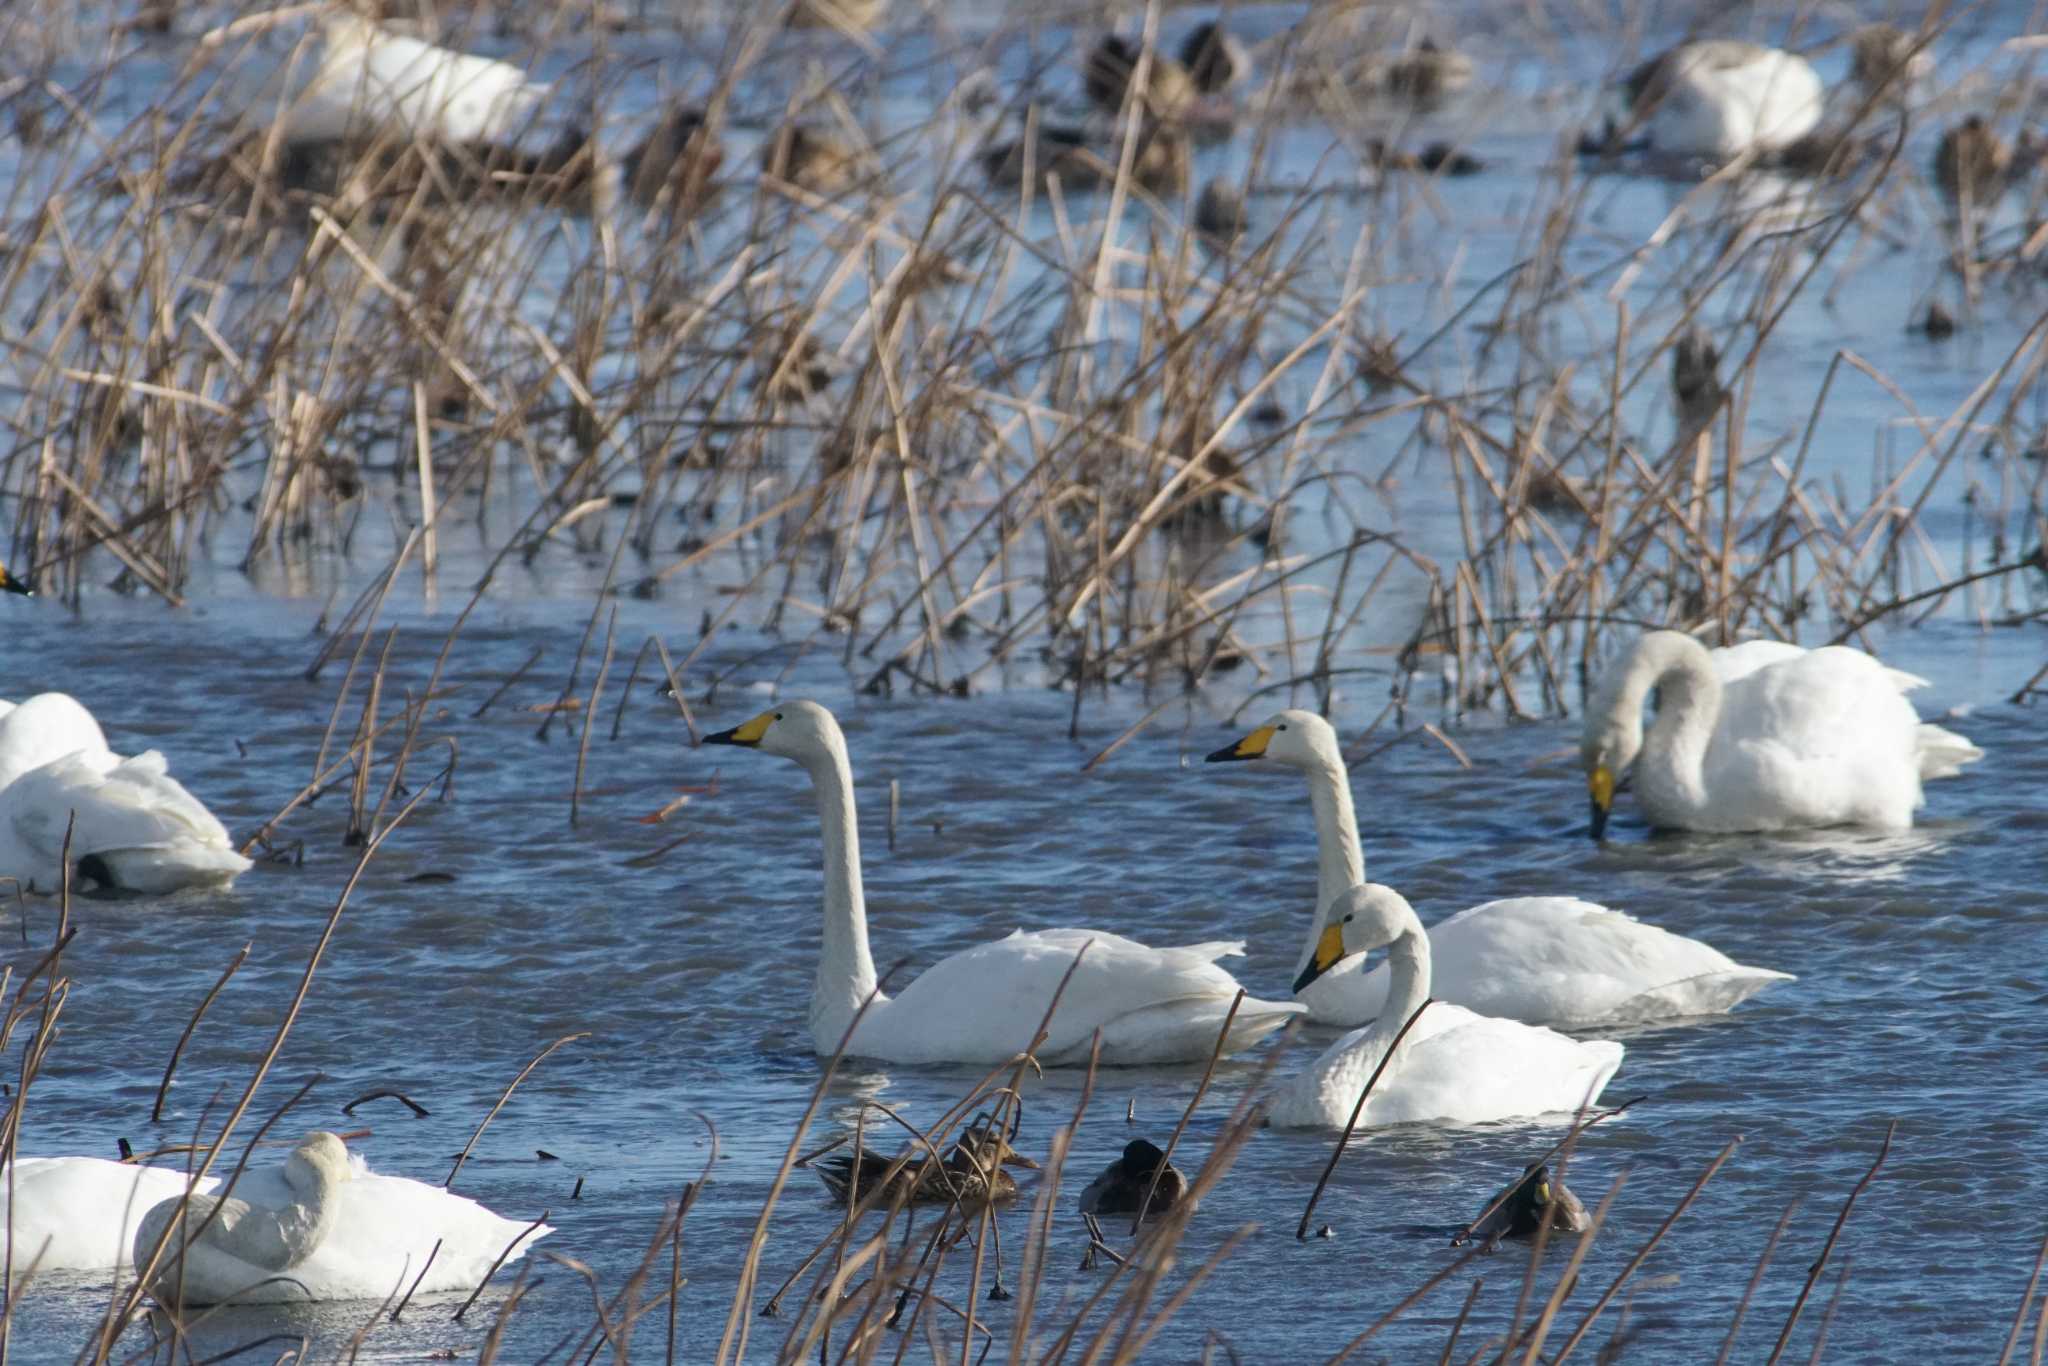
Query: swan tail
x: 1710, y: 993
x: 1183, y: 1029
x: 1943, y: 753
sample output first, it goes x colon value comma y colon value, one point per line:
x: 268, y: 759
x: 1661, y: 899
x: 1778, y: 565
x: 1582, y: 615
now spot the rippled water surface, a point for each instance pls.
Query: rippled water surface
x: 492, y: 924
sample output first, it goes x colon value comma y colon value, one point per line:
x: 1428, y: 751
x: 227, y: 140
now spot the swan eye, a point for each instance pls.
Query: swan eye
x: 778, y: 716
x: 1281, y: 726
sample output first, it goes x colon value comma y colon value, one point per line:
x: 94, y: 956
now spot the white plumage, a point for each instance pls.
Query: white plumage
x: 1768, y: 738
x: 1553, y: 960
x: 982, y: 1005
x: 1719, y: 98
x: 1453, y: 1066
x: 136, y: 824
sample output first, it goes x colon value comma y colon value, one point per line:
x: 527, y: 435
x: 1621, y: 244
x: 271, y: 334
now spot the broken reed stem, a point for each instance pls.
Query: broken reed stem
x: 524, y: 1072
x: 156, y: 1107
x: 1756, y: 1277
x: 2019, y: 1320
x: 1459, y: 1238
x: 1813, y: 1272
x: 1357, y: 1109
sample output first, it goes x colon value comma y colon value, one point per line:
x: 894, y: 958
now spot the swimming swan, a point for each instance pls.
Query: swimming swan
x: 1454, y: 1066
x: 1719, y: 98
x: 982, y: 1005
x: 321, y: 1228
x: 1764, y: 736
x: 1552, y: 960
x: 366, y: 78
x: 137, y: 827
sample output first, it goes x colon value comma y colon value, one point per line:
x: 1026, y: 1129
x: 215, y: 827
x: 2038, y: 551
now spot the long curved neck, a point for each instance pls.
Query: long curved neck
x: 1340, y: 862
x: 305, y: 1224
x: 1345, y: 1068
x: 1671, y: 773
x: 846, y: 971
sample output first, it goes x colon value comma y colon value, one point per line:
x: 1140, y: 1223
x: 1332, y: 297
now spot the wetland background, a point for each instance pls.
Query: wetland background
x: 287, y: 475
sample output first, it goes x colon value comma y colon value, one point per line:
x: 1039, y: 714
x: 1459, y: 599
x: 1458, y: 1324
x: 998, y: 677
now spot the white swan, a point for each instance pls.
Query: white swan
x: 1453, y: 1066
x: 1763, y: 737
x: 365, y: 79
x: 136, y: 827
x: 86, y: 1214
x: 1719, y: 98
x: 982, y: 1005
x: 1552, y: 960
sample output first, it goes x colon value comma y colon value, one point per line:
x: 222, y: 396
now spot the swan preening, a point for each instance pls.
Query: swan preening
x: 1763, y: 736
x: 133, y: 826
x: 984, y: 1004
x: 1553, y: 960
x: 1453, y: 1066
x: 320, y: 1226
x: 1720, y: 98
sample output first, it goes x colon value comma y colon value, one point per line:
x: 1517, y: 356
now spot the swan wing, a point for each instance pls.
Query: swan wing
x: 388, y: 1226
x: 369, y: 76
x: 129, y: 812
x: 81, y: 1213
x: 46, y: 727
x: 1739, y: 661
x: 1473, y: 1069
x: 984, y: 1004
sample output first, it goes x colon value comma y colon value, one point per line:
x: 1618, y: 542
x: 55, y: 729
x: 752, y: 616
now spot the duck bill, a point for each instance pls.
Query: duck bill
x: 1013, y: 1158
x: 1329, y: 951
x: 1252, y: 746
x: 1600, y: 789
x: 748, y: 734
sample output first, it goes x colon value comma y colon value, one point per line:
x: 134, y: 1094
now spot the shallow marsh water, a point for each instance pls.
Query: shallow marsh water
x: 1920, y: 957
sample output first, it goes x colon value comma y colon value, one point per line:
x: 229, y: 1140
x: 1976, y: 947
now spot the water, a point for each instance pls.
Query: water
x: 490, y: 926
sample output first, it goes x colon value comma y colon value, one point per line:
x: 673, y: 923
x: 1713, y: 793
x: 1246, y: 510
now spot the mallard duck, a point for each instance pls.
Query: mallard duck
x: 1106, y: 78
x: 674, y: 163
x: 1972, y: 165
x: 1763, y: 736
x: 1214, y: 58
x: 1137, y: 1004
x: 971, y: 1176
x: 1518, y: 1208
x: 1888, y: 62
x: 1424, y: 74
x: 1160, y: 164
x: 1121, y: 1186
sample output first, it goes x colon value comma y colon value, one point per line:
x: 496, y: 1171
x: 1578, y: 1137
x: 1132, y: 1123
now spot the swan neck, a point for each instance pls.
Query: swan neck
x: 1408, y: 981
x: 1671, y: 772
x: 846, y: 970
x: 1340, y: 861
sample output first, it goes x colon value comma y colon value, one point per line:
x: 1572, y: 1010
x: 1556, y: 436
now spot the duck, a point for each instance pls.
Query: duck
x: 972, y: 1175
x: 1516, y: 1210
x: 1106, y: 78
x: 1214, y: 58
x: 1887, y: 63
x: 1121, y: 1187
x: 1972, y: 165
x: 674, y: 163
x: 132, y: 826
x: 1425, y: 74
x: 1549, y: 960
x: 850, y: 16
x: 1774, y: 738
x: 367, y: 79
x: 1454, y: 1066
x: 813, y: 158
x: 1720, y: 98
x: 1160, y: 160
x: 983, y: 1005
x: 320, y: 1227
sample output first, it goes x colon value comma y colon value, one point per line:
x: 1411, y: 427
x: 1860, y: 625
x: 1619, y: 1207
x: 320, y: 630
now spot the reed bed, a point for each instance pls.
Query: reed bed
x: 953, y: 430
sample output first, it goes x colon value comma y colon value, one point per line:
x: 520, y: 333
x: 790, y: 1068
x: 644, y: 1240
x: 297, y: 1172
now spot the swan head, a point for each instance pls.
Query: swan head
x: 1296, y: 738
x: 1613, y: 736
x: 803, y: 731
x: 320, y: 1158
x: 1361, y: 918
x: 10, y: 584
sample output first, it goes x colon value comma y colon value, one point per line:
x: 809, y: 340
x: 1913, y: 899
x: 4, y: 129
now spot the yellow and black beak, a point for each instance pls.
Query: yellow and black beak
x: 10, y: 584
x: 1329, y: 949
x: 748, y: 734
x: 1600, y: 787
x: 1251, y: 747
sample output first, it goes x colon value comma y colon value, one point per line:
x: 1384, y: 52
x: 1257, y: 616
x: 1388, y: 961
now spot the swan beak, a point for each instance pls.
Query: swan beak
x: 1251, y: 747
x: 10, y: 584
x: 1600, y: 787
x: 748, y: 734
x: 1329, y: 948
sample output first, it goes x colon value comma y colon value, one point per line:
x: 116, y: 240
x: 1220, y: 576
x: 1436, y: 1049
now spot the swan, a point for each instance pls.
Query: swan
x: 136, y: 827
x: 983, y: 1004
x: 321, y: 1228
x: 1552, y: 960
x: 1766, y: 737
x: 1121, y: 1186
x: 366, y: 78
x: 1454, y: 1066
x: 1720, y: 98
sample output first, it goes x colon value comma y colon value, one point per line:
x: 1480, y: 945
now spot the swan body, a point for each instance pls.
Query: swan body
x: 81, y: 1213
x: 984, y: 1004
x: 321, y: 1227
x: 1453, y: 1066
x: 1721, y: 98
x: 366, y: 78
x: 132, y: 824
x: 1554, y: 960
x: 1774, y: 738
